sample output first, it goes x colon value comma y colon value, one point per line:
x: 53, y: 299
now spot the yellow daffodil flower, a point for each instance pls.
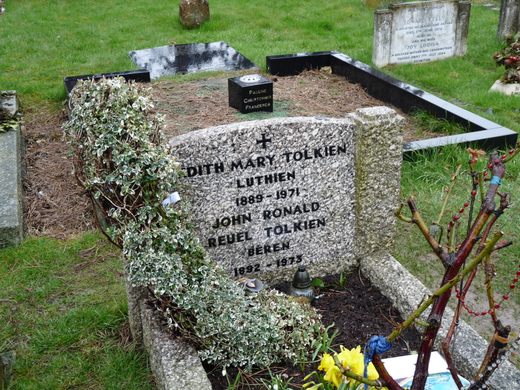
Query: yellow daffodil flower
x: 327, y: 362
x: 353, y: 360
x: 334, y: 376
x: 332, y: 372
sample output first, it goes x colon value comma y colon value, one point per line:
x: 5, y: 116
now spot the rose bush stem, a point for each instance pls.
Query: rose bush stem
x: 439, y: 306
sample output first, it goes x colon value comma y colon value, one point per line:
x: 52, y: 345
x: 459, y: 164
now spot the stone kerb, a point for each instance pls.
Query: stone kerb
x: 268, y: 196
x: 509, y: 22
x: 420, y: 31
x: 11, y: 225
x: 174, y: 363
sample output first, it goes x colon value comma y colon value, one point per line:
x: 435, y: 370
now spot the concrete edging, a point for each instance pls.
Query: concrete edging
x: 174, y: 363
x: 11, y: 210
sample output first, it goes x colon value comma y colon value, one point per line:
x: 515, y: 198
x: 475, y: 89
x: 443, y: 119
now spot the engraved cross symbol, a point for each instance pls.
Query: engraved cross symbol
x: 264, y: 141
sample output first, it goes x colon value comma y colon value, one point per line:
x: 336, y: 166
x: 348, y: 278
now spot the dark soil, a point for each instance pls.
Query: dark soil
x: 358, y: 310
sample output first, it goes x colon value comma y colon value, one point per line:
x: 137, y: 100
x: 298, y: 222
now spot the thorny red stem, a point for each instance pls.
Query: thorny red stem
x: 439, y: 306
x: 504, y: 203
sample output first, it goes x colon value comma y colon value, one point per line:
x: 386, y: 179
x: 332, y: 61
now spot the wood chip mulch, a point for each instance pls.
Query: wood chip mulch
x: 189, y: 106
x: 54, y: 203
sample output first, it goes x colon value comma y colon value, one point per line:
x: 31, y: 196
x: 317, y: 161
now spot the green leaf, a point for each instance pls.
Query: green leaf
x: 318, y: 283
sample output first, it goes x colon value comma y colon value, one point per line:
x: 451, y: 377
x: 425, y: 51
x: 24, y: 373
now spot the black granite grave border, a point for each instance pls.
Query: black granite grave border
x: 140, y: 75
x: 482, y: 133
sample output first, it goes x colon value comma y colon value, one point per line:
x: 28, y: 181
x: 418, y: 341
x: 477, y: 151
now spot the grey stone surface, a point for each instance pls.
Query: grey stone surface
x: 8, y: 105
x: 11, y: 224
x: 174, y: 363
x: 7, y: 362
x: 192, y: 13
x: 135, y: 296
x: 285, y: 202
x: 378, y: 177
x: 406, y: 293
x: 333, y: 186
x: 420, y: 31
x: 189, y: 58
x: 509, y: 22
x: 505, y: 89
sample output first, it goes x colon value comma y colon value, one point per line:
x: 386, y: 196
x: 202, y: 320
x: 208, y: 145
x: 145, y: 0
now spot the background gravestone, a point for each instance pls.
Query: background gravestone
x: 509, y: 22
x: 267, y: 196
x: 420, y: 31
x: 192, y: 13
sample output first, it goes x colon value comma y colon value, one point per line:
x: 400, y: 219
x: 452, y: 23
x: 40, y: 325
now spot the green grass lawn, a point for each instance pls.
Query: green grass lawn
x: 62, y: 303
x: 63, y: 309
x: 42, y: 42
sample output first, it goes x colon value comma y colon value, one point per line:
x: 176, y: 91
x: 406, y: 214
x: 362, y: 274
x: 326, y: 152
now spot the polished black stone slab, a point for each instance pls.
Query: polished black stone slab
x: 287, y: 65
x: 250, y: 93
x: 141, y: 75
x: 481, y: 132
x: 189, y: 58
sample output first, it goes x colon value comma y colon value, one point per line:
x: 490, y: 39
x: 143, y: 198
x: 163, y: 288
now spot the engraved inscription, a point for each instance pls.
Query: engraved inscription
x: 424, y: 33
x: 278, y: 200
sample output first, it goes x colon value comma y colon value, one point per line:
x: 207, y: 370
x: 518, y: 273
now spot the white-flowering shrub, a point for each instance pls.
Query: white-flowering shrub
x: 114, y: 134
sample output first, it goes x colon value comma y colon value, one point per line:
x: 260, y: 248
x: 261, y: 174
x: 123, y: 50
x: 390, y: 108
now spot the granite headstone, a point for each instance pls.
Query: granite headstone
x: 509, y: 22
x: 420, y: 31
x: 270, y: 195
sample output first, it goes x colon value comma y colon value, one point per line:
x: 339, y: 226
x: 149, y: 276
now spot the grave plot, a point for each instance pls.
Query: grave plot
x: 288, y: 134
x: 255, y: 140
x: 187, y: 106
x: 199, y: 104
